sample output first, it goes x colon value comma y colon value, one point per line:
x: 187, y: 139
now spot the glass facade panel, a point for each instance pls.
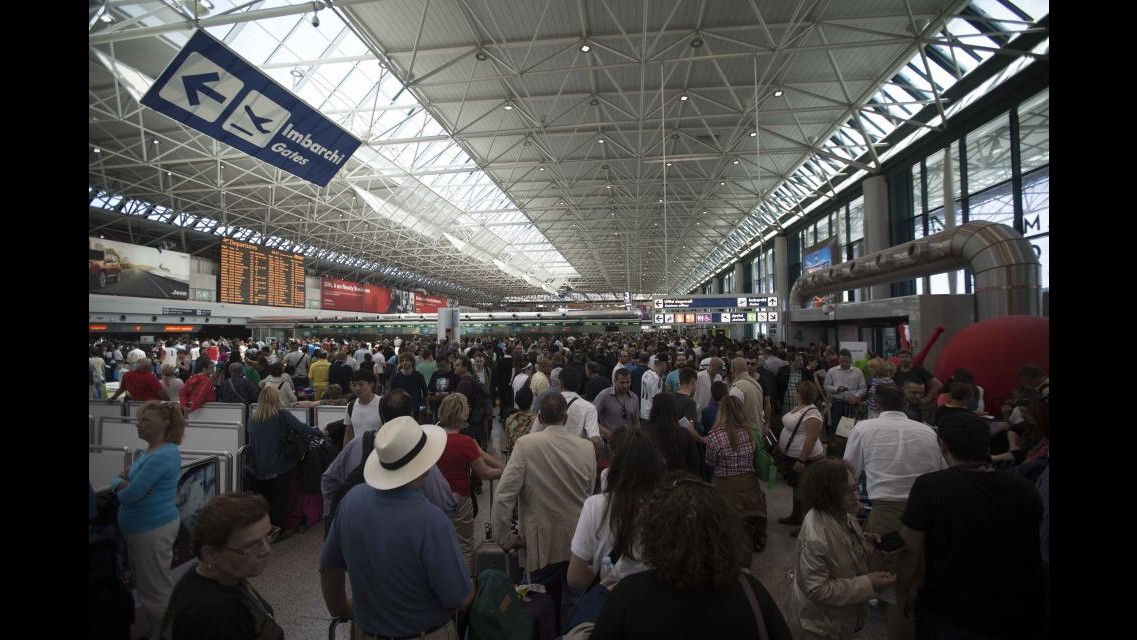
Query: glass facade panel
x: 856, y: 220
x: 1034, y: 132
x: 989, y: 154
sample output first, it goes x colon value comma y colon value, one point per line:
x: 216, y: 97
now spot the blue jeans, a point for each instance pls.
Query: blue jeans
x: 588, y: 607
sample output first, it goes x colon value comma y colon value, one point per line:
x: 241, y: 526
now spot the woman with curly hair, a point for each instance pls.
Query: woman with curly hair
x: 695, y: 588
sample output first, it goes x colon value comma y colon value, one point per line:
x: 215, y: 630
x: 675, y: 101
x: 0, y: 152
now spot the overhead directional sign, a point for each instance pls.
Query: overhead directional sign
x: 716, y: 302
x: 213, y: 90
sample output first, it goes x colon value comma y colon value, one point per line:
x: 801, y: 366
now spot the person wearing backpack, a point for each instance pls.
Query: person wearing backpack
x: 408, y: 578
x: 346, y: 470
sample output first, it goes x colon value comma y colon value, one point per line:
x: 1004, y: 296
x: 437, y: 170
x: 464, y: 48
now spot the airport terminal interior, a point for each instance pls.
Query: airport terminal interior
x: 613, y: 318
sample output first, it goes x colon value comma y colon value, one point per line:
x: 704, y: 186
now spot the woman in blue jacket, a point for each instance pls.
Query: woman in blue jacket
x: 272, y: 469
x: 147, y: 516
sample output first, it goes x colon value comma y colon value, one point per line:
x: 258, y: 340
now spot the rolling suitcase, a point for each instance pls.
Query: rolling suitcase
x: 490, y: 555
x: 350, y: 626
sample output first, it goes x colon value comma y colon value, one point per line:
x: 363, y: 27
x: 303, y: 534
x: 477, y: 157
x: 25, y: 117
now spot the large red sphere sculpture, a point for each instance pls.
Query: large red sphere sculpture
x: 994, y: 350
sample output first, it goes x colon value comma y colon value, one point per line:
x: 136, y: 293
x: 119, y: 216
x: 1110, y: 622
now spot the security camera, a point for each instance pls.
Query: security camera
x: 491, y: 316
x: 563, y: 314
x: 538, y: 315
x: 515, y: 316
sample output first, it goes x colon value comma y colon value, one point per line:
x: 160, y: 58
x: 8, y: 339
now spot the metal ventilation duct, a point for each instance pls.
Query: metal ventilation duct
x: 1007, y: 271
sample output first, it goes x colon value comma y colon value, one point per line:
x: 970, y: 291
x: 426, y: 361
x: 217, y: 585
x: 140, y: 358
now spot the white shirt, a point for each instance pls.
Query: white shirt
x: 364, y: 417
x: 581, y: 416
x: 650, y: 385
x: 169, y: 356
x: 135, y: 355
x: 359, y: 355
x: 892, y: 451
x: 352, y: 362
x: 703, y: 384
x: 593, y: 539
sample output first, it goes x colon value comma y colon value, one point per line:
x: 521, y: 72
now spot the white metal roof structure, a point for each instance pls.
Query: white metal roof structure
x: 515, y: 146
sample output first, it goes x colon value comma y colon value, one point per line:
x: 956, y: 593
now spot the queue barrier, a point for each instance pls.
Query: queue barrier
x: 303, y: 414
x: 326, y: 414
x: 105, y: 462
x: 102, y: 408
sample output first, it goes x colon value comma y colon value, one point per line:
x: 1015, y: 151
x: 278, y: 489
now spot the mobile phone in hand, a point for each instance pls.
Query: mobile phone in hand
x: 890, y: 541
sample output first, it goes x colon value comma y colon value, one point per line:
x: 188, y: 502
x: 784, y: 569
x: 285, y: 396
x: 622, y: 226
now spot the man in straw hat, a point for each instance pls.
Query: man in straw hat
x: 407, y: 573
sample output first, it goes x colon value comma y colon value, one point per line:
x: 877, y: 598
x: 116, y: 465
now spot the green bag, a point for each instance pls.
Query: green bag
x: 764, y: 464
x: 497, y: 612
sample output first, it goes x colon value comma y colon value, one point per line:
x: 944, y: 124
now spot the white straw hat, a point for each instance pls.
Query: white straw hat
x: 404, y: 450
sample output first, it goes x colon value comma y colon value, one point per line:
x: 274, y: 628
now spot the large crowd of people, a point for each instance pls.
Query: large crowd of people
x: 628, y: 476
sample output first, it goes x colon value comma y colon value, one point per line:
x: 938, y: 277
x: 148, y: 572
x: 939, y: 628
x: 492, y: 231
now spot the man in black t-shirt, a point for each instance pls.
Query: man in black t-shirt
x: 977, y: 530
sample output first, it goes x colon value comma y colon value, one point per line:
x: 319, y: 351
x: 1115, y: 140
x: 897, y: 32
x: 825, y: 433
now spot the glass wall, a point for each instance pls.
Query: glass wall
x: 984, y: 170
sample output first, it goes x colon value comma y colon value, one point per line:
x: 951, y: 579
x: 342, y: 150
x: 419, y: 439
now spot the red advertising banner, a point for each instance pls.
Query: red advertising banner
x: 428, y: 304
x: 342, y: 295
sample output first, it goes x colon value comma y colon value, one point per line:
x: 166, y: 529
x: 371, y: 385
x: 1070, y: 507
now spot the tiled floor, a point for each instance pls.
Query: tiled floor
x: 291, y: 583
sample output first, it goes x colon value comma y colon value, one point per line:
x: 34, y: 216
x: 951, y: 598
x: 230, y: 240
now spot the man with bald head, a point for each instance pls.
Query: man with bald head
x: 749, y: 392
x: 703, y: 382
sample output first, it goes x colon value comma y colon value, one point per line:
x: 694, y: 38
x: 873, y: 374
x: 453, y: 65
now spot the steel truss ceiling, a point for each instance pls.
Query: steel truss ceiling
x: 624, y: 131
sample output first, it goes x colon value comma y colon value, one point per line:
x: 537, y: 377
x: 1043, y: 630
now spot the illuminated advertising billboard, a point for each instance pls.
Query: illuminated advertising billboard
x: 121, y: 269
x: 428, y: 304
x: 342, y: 295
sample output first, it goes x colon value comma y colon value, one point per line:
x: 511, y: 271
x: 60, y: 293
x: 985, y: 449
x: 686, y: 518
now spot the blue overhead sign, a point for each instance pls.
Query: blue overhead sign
x: 213, y: 90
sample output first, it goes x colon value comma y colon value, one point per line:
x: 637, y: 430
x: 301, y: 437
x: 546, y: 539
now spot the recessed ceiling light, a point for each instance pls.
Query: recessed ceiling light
x: 509, y: 107
x: 661, y: 199
x: 753, y: 134
x: 778, y: 93
x: 704, y: 211
x: 669, y: 164
x: 696, y: 43
x: 585, y: 48
x: 735, y: 161
x: 97, y: 150
x: 481, y: 55
x: 675, y: 136
x: 607, y: 186
x: 600, y: 140
x: 540, y: 168
x: 594, y: 102
x: 722, y: 184
x: 683, y: 98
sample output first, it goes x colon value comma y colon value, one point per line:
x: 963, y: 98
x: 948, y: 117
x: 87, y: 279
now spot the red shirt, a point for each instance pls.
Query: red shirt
x: 454, y: 464
x: 142, y: 385
x: 197, y: 391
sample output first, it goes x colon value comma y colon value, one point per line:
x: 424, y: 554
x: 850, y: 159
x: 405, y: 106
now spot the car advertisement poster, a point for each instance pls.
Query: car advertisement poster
x: 122, y: 269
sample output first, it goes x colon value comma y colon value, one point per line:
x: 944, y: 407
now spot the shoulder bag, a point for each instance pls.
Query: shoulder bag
x: 294, y: 444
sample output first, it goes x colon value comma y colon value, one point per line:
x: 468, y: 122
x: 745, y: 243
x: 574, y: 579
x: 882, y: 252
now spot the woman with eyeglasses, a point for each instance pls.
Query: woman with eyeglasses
x: 832, y: 583
x: 232, y: 542
x: 147, y: 515
x: 271, y: 469
x: 695, y: 587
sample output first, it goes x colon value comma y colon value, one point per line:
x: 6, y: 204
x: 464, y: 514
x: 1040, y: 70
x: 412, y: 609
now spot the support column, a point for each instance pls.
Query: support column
x: 876, y: 225
x: 949, y: 207
x: 738, y: 332
x: 782, y: 286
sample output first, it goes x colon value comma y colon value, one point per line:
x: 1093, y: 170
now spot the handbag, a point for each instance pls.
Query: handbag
x: 786, y: 463
x: 294, y: 444
x: 764, y: 465
x: 845, y: 426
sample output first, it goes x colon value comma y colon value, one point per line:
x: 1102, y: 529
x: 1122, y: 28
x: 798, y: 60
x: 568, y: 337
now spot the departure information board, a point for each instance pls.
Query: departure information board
x: 252, y: 274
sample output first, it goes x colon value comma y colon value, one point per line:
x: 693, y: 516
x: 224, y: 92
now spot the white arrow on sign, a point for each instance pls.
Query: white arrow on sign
x: 201, y: 87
